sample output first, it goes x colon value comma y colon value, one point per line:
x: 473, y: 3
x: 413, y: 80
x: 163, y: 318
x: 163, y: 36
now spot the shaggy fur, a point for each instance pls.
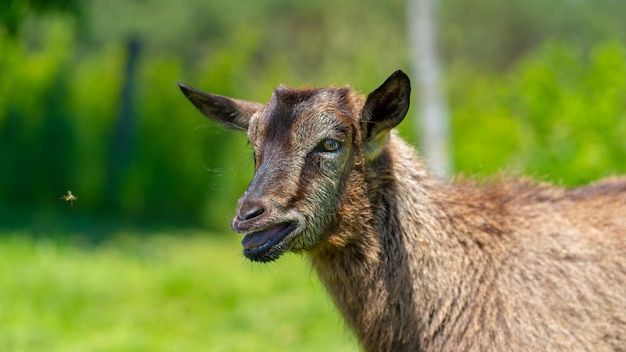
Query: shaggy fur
x: 414, y: 263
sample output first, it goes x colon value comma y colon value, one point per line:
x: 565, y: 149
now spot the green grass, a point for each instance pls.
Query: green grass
x: 164, y: 292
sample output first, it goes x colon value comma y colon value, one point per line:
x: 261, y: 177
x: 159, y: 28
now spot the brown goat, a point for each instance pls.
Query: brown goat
x: 418, y: 264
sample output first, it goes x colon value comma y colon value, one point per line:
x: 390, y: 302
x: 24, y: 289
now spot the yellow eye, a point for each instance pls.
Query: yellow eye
x: 331, y: 145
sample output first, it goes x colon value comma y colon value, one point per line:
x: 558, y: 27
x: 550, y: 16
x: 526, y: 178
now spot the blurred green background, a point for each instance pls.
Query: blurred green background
x: 144, y: 260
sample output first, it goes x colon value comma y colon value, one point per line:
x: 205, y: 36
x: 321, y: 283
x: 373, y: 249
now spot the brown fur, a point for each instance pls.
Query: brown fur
x: 417, y: 264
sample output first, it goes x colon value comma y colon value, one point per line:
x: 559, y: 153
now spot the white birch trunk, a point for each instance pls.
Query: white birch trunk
x: 432, y: 111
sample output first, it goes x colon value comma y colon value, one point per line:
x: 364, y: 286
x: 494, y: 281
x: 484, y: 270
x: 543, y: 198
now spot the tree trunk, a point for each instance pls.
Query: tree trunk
x: 124, y: 132
x: 432, y: 112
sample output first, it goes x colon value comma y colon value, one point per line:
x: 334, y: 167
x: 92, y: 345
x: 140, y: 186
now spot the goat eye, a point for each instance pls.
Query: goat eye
x: 330, y: 145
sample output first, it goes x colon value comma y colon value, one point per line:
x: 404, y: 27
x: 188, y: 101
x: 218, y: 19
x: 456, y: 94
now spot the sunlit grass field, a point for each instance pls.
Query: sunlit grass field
x: 163, y: 292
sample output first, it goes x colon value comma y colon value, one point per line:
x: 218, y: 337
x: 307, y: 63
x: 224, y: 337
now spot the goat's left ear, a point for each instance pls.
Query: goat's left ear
x: 228, y: 112
x: 384, y: 109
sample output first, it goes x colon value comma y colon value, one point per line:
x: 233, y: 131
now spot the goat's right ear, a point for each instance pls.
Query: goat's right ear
x: 228, y: 112
x: 384, y: 109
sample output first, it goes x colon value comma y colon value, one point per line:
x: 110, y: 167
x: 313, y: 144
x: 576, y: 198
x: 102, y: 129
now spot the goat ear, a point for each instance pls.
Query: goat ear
x: 228, y: 112
x: 384, y: 109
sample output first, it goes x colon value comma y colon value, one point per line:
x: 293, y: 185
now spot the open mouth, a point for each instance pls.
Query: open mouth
x: 265, y: 246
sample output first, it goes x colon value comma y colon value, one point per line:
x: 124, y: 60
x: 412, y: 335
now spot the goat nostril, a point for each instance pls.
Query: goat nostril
x: 251, y: 212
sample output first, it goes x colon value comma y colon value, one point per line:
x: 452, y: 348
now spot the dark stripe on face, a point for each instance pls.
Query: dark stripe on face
x: 282, y: 111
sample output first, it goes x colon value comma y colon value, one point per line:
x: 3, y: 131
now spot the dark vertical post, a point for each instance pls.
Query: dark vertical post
x: 124, y: 130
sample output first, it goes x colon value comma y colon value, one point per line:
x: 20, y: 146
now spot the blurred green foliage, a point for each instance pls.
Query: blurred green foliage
x: 14, y: 12
x: 528, y: 91
x: 560, y: 115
